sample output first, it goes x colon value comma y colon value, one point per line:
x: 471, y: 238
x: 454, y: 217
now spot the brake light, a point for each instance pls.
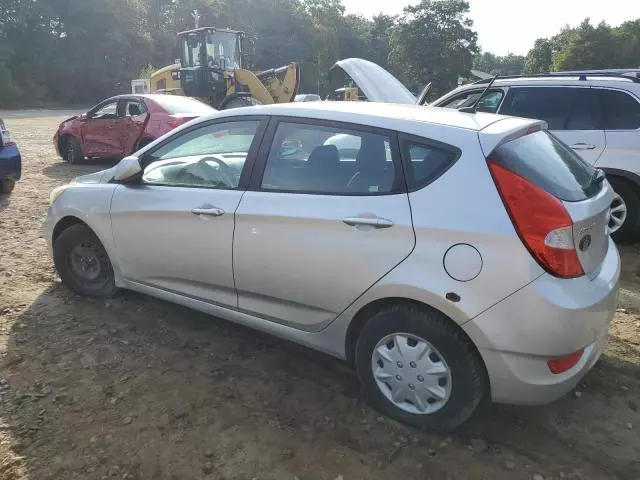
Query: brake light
x: 174, y: 121
x: 542, y: 222
x: 5, y: 139
x: 561, y: 365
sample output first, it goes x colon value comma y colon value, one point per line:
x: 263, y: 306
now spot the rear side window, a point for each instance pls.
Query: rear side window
x: 425, y: 162
x: 551, y: 104
x: 620, y: 110
x: 548, y: 163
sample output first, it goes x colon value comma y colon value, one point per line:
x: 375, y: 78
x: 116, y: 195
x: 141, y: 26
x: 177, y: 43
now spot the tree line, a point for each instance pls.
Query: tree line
x: 71, y: 52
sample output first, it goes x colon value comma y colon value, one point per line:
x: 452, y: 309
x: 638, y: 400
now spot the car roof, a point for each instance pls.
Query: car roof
x: 559, y: 80
x: 369, y: 113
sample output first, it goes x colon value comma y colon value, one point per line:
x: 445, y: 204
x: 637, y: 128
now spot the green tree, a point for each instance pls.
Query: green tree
x: 540, y: 57
x: 434, y: 42
x: 586, y: 47
x: 510, y: 64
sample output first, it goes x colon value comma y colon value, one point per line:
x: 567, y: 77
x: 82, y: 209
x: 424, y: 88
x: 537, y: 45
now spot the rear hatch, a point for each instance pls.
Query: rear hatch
x: 558, y: 203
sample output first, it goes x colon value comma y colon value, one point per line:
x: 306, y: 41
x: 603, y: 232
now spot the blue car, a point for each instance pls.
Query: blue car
x: 10, y: 161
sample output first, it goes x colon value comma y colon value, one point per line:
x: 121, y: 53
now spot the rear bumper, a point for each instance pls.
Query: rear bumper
x: 10, y: 163
x: 548, y: 319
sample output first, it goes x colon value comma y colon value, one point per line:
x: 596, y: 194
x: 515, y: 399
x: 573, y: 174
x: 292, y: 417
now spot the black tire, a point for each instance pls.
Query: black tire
x: 237, y: 102
x: 143, y: 143
x: 65, y: 256
x: 469, y: 385
x: 72, y: 151
x: 630, y: 230
x: 7, y: 185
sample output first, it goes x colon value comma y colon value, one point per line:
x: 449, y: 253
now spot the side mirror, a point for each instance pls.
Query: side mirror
x: 127, y: 168
x: 83, y: 117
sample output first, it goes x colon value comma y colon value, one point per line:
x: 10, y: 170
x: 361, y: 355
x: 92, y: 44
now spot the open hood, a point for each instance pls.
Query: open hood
x: 375, y: 82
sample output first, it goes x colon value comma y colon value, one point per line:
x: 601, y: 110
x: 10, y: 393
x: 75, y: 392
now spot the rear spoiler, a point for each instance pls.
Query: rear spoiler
x: 505, y: 130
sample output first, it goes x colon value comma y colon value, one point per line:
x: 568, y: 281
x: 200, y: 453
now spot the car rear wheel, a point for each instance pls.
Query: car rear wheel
x: 7, y: 185
x: 72, y: 151
x: 83, y: 263
x: 417, y: 367
x: 624, y: 220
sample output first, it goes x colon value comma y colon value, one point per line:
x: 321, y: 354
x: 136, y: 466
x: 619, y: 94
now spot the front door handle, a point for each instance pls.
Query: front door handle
x: 211, y: 211
x: 371, y: 221
x: 583, y: 146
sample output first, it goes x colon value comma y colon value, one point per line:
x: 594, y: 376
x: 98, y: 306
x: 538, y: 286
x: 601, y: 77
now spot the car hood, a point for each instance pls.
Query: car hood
x: 103, y: 176
x: 375, y: 82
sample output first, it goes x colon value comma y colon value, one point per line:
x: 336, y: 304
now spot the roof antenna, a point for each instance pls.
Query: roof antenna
x: 474, y: 108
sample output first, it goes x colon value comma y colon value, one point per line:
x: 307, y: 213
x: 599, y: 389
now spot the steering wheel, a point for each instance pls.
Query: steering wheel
x: 225, y: 170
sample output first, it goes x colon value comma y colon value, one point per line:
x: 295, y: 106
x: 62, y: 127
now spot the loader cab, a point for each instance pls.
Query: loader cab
x: 205, y: 55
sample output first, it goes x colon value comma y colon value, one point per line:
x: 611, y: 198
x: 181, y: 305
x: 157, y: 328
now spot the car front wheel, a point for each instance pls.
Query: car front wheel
x: 73, y: 151
x: 417, y: 367
x: 83, y: 263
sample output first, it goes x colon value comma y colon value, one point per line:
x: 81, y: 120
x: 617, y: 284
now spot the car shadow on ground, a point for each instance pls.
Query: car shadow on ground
x: 5, y: 200
x: 141, y: 389
x: 64, y: 172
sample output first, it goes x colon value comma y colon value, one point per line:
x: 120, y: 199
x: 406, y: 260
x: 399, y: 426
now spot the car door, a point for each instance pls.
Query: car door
x: 621, y: 117
x: 173, y: 229
x: 99, y: 131
x: 131, y: 125
x: 319, y: 226
x: 572, y: 114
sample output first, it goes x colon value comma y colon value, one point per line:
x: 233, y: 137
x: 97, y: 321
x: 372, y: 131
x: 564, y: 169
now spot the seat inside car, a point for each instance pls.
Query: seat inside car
x: 374, y: 173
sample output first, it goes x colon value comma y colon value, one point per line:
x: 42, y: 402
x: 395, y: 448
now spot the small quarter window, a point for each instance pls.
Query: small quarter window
x: 425, y: 162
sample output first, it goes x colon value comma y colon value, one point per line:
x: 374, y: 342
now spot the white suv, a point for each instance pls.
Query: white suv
x: 596, y: 113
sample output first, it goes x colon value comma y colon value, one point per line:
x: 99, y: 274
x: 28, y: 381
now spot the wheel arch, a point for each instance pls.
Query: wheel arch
x: 630, y: 177
x: 66, y: 222
x: 362, y: 316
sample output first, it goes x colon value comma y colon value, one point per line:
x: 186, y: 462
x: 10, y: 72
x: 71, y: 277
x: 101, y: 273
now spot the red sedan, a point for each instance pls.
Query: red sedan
x: 121, y: 125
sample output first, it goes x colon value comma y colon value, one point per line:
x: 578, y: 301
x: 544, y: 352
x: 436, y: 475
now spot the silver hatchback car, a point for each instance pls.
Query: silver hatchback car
x: 450, y: 257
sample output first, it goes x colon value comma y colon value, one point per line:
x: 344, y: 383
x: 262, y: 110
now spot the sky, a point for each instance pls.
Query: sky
x: 512, y: 26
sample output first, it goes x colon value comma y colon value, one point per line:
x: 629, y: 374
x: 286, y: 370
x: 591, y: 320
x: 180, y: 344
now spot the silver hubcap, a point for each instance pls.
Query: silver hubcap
x: 85, y: 262
x: 617, y: 214
x: 411, y: 373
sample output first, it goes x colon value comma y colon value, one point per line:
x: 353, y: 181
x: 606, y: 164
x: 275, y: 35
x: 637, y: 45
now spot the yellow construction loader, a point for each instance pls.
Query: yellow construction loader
x: 215, y: 67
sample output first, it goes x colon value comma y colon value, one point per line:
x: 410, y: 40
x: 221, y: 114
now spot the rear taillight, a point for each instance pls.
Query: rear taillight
x: 175, y: 121
x: 5, y: 139
x: 542, y: 222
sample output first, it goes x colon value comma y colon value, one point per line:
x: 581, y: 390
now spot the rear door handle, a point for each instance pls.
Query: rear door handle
x: 373, y: 222
x: 211, y: 211
x: 583, y: 146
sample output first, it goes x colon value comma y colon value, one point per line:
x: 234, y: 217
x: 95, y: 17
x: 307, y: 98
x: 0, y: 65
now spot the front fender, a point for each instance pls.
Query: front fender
x: 91, y: 204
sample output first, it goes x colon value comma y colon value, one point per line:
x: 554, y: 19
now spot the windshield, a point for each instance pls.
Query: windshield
x: 211, y: 49
x: 222, y: 50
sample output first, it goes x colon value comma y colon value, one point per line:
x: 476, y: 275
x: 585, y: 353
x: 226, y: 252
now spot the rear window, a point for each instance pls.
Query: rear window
x: 175, y: 105
x: 548, y: 163
x: 620, y: 110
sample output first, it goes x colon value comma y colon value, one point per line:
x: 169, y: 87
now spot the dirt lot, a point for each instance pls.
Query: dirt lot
x: 135, y: 388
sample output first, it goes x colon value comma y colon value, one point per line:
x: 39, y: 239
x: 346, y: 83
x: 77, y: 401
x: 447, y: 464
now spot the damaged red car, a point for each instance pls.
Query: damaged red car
x: 121, y: 125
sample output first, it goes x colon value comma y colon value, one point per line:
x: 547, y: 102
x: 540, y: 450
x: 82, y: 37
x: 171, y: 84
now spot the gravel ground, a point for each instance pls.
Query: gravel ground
x: 136, y: 388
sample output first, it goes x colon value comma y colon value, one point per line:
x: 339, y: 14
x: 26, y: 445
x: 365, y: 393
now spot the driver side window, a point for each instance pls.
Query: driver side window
x: 208, y: 157
x: 108, y: 111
